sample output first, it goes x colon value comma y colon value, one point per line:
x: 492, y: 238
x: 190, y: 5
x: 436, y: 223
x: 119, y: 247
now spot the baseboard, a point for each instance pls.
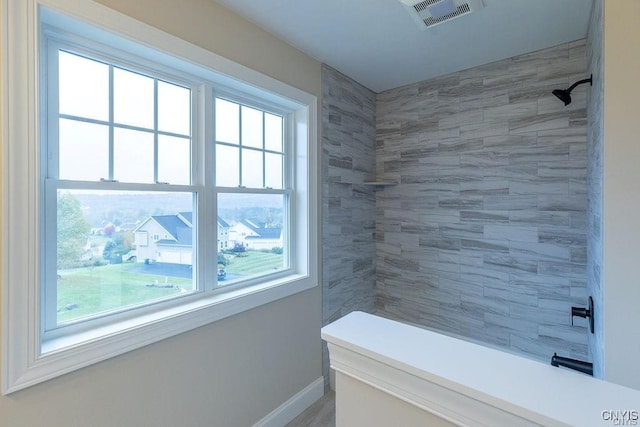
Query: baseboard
x: 293, y: 407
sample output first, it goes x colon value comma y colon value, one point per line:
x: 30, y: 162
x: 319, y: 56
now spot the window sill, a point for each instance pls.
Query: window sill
x: 74, y: 351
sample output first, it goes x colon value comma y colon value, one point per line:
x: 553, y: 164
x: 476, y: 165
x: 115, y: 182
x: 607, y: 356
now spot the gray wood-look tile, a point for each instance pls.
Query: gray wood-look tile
x: 486, y: 233
x: 348, y: 206
x: 487, y: 230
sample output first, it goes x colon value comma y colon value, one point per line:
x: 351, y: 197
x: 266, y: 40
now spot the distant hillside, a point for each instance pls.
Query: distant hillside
x: 122, y: 208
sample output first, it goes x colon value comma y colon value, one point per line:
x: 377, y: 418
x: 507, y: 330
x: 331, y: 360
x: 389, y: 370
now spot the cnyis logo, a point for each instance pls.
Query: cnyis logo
x: 621, y: 418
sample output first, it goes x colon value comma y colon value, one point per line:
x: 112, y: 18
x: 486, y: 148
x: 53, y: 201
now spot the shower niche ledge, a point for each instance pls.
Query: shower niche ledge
x: 380, y: 183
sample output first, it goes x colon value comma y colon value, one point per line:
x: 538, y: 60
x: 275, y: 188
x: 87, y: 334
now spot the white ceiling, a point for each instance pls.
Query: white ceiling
x: 377, y: 42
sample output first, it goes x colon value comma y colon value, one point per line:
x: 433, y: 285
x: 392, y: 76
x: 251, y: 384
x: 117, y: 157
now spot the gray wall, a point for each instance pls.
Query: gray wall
x: 595, y: 144
x: 348, y: 207
x: 485, y: 235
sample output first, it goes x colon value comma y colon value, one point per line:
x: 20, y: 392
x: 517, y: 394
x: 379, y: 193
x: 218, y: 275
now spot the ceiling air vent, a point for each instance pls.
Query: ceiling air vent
x: 429, y: 13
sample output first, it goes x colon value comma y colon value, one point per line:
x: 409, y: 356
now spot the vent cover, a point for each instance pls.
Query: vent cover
x: 429, y: 13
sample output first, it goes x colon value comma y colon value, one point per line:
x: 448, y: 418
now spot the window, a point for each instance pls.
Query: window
x: 252, y: 186
x: 119, y: 151
x: 148, y: 165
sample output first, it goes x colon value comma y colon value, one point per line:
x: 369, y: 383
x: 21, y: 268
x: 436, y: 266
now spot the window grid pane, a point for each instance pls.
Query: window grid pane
x: 260, y: 162
x: 227, y: 166
x: 133, y: 156
x: 273, y: 170
x: 134, y: 99
x: 252, y: 127
x: 273, y: 132
x: 227, y: 121
x: 83, y: 150
x: 251, y: 236
x: 174, y: 109
x: 174, y: 158
x: 83, y: 87
x: 142, y: 106
x: 107, y: 257
x: 252, y: 168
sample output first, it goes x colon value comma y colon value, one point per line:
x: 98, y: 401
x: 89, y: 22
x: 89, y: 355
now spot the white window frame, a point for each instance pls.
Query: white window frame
x: 26, y: 360
x: 286, y: 191
x: 54, y: 41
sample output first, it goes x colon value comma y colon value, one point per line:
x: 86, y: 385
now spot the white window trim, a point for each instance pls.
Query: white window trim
x: 24, y: 363
x: 57, y: 40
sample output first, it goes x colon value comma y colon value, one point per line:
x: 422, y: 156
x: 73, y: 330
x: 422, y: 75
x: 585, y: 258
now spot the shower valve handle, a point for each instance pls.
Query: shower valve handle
x: 580, y: 312
x: 585, y: 313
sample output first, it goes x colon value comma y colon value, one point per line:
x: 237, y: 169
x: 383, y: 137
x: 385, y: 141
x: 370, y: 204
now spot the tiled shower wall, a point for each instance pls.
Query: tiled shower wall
x: 348, y: 206
x: 485, y: 234
x: 595, y: 171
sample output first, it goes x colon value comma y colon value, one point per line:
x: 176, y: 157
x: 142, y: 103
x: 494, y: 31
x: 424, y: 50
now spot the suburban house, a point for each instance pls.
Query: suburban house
x: 469, y: 201
x: 223, y: 234
x: 169, y: 238
x: 253, y: 234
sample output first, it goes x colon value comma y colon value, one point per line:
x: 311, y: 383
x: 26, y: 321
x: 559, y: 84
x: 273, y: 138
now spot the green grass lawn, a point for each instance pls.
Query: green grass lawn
x: 93, y: 290
x: 254, y: 263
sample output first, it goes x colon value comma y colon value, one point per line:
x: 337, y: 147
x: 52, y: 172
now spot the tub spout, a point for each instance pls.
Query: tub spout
x: 578, y: 365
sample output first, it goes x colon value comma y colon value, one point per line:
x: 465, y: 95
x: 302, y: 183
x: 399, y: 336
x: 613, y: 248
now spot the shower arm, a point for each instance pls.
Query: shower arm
x: 579, y: 82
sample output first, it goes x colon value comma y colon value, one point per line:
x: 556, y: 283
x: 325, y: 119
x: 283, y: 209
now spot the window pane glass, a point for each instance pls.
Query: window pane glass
x: 273, y: 175
x: 133, y: 98
x: 83, y: 151
x: 252, y: 169
x: 117, y: 250
x: 254, y: 242
x: 227, y: 166
x: 132, y: 156
x: 174, y: 160
x: 251, y: 127
x: 273, y: 132
x: 174, y: 109
x: 227, y: 121
x: 84, y: 87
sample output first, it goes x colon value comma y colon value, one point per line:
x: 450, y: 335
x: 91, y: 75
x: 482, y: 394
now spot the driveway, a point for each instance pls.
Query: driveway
x: 165, y: 269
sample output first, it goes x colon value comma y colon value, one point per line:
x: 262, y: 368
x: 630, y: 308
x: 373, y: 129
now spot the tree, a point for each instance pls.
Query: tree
x: 73, y: 231
x: 109, y: 247
x: 222, y: 260
x: 118, y: 245
x: 109, y: 229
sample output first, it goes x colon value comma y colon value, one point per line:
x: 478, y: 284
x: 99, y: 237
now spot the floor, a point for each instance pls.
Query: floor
x: 320, y: 414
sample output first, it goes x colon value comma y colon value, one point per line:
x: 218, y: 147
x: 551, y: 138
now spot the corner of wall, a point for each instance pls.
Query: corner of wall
x: 595, y: 143
x: 348, y: 206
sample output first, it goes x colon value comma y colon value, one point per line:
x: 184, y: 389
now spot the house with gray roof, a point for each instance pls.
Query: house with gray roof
x: 254, y: 234
x: 169, y: 238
